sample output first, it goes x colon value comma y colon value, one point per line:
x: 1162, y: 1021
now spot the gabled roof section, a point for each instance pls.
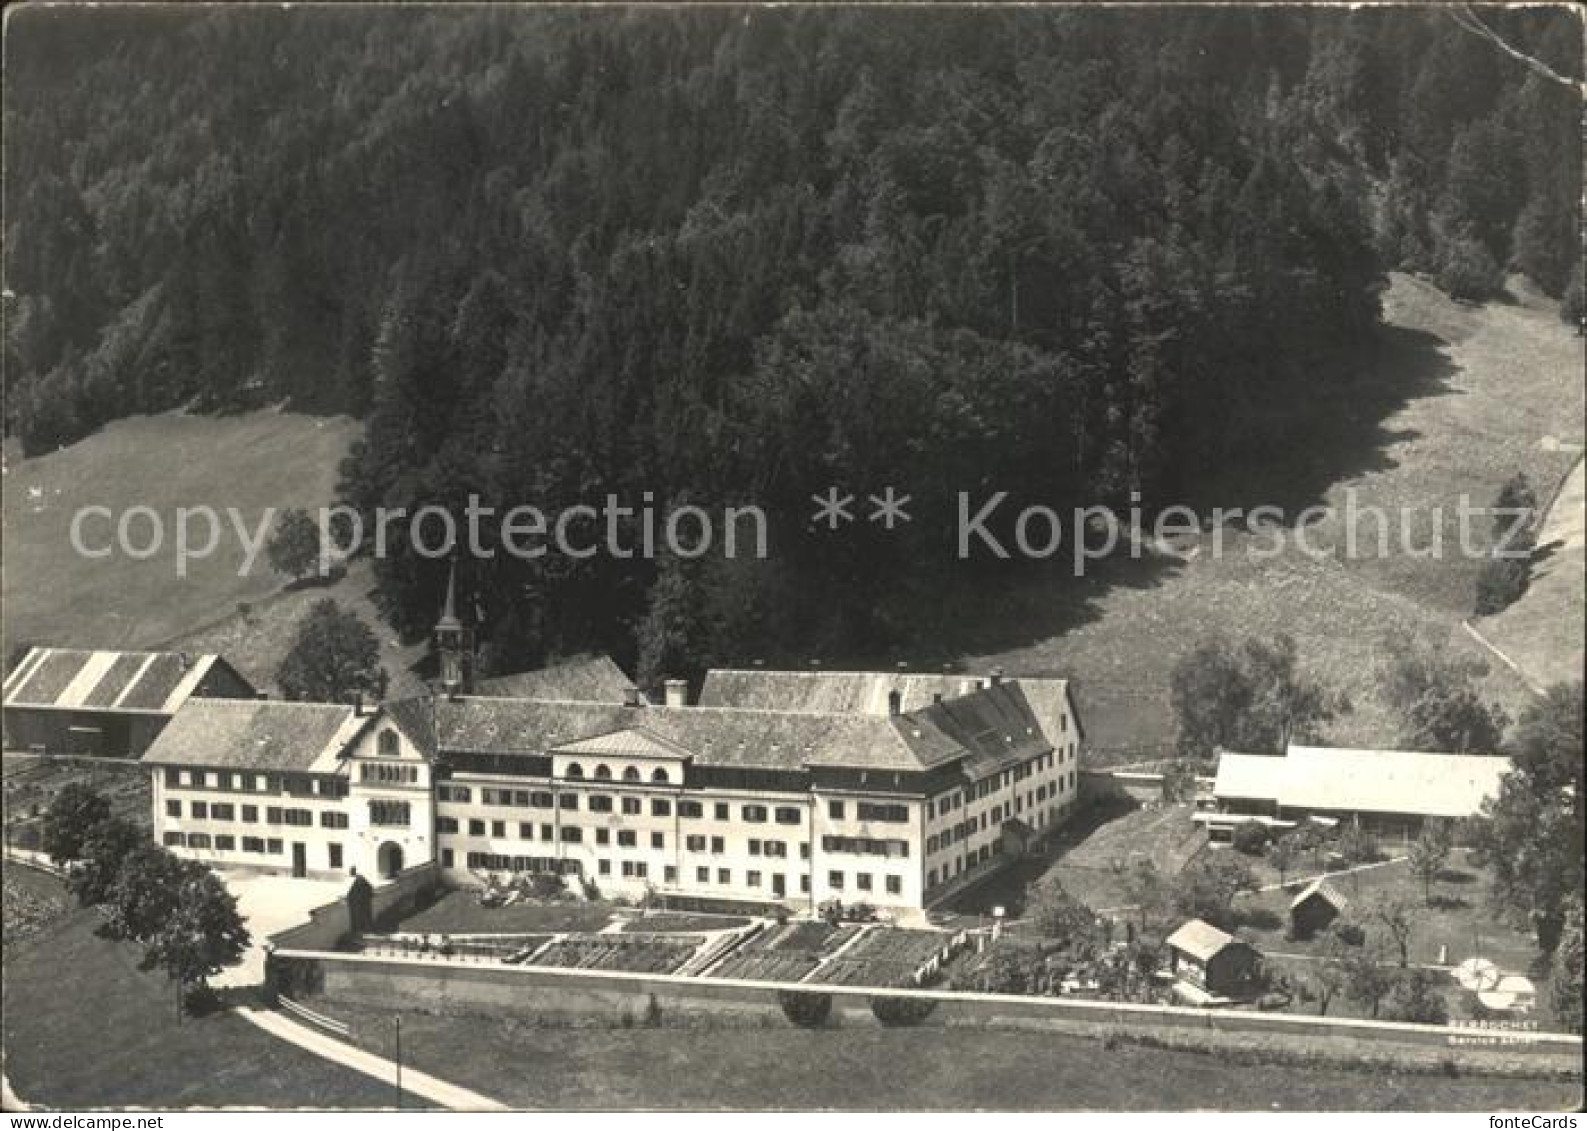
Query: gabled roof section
x: 1201, y: 940
x: 1320, y: 888
x: 636, y: 742
x: 866, y: 693
x: 991, y: 729
x: 590, y: 678
x: 257, y: 734
x: 104, y: 680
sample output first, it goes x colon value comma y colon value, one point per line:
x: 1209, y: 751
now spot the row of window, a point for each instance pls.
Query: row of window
x: 630, y: 806
x: 865, y: 846
x: 640, y: 870
x: 380, y: 773
x: 302, y: 785
x: 631, y: 773
x: 389, y: 814
x: 249, y: 814
x: 225, y: 842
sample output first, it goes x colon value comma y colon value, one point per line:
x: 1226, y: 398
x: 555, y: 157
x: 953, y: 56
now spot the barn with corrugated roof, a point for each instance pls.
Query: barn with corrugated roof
x: 106, y: 703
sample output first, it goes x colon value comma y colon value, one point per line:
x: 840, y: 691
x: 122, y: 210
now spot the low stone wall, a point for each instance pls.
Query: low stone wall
x: 450, y: 986
x: 331, y: 923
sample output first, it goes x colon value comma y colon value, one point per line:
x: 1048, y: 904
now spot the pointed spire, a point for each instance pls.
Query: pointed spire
x: 449, y: 611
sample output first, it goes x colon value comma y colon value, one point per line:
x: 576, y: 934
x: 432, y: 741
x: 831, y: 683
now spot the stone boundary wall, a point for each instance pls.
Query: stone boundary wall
x: 330, y: 923
x: 451, y: 986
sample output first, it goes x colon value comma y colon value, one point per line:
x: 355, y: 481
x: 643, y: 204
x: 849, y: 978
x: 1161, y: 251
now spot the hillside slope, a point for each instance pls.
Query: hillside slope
x: 251, y: 462
x: 1470, y: 392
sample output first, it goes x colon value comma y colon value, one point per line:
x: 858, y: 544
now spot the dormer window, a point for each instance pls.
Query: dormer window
x: 575, y: 770
x: 631, y: 774
x: 603, y: 772
x: 660, y: 776
x: 387, y: 745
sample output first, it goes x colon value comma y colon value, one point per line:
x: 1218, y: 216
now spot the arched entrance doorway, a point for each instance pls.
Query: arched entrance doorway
x: 388, y: 860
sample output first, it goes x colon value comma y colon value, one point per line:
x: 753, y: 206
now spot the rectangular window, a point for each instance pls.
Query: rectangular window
x: 447, y: 859
x: 658, y: 840
x: 173, y: 777
x: 633, y: 806
x: 721, y: 811
x: 754, y: 814
x: 702, y: 875
x: 804, y: 885
x: 627, y: 838
x: 273, y: 815
x: 200, y: 810
x: 835, y: 810
x: 835, y: 881
x: 600, y: 803
x: 603, y: 836
x: 252, y: 844
x: 446, y: 824
x: 335, y: 851
x: 498, y: 828
x: 604, y: 867
x: 862, y: 880
x: 669, y: 874
x: 567, y: 801
x: 660, y: 807
x: 173, y: 840
x: 754, y: 847
x: 250, y: 813
x: 476, y: 827
x: 895, y: 886
x: 572, y: 834
x: 173, y: 808
x: 541, y: 800
x: 526, y: 830
x: 694, y: 843
x: 896, y: 814
x: 752, y: 879
x: 223, y: 811
x: 690, y: 809
x: 718, y: 845
x: 453, y: 793
x: 788, y: 815
x: 389, y: 814
x: 198, y: 840
x: 724, y: 875
x: 548, y: 832
x: 273, y: 846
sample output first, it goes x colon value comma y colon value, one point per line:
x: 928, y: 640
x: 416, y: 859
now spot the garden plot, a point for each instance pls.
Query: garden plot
x: 886, y: 956
x: 638, y: 954
x: 786, y: 953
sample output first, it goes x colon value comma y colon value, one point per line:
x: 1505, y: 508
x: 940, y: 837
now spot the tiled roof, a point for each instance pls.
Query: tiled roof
x: 1200, y: 939
x: 1364, y: 781
x: 78, y: 679
x: 257, y: 734
x: 866, y: 693
x: 991, y: 728
x: 579, y: 679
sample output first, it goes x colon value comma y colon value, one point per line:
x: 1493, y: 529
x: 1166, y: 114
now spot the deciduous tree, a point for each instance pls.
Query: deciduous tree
x: 333, y: 657
x: 71, y: 817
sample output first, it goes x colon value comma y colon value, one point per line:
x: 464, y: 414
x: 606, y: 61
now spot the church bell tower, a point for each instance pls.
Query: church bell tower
x: 454, y: 644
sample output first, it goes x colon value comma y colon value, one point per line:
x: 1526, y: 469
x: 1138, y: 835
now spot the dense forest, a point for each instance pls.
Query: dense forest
x: 732, y: 255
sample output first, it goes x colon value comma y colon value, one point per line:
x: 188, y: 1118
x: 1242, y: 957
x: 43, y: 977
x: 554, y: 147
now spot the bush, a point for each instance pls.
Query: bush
x: 902, y: 1011
x: 1501, y: 584
x: 1250, y: 837
x: 806, y: 1010
x: 547, y: 885
x: 1351, y: 934
x: 1468, y: 271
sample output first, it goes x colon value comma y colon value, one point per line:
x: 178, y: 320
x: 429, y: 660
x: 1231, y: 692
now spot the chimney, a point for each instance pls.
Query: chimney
x: 997, y: 677
x: 630, y: 696
x: 358, y: 704
x: 969, y: 686
x: 263, y: 694
x: 677, y: 692
x: 185, y: 660
x: 895, y: 701
x: 936, y: 697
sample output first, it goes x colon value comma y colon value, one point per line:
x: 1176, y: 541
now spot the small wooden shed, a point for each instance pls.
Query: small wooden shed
x: 1212, y: 963
x: 1314, y: 908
